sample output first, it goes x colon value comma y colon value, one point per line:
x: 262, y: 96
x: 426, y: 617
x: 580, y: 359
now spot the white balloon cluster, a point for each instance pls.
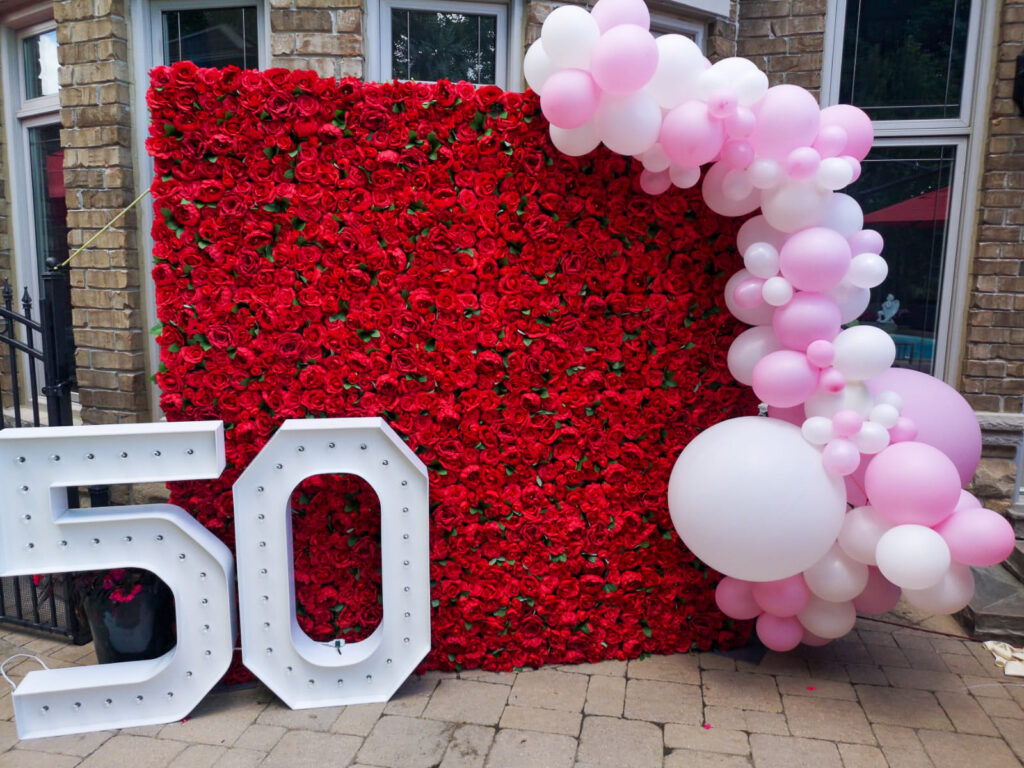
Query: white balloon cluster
x: 762, y: 500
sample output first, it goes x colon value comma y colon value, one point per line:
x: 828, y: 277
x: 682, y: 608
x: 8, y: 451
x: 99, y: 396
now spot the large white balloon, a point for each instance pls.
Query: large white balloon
x: 537, y: 66
x: 827, y: 619
x: 836, y: 577
x: 852, y: 301
x: 575, y: 142
x: 679, y: 63
x: 748, y: 348
x: 795, y: 205
x: 843, y: 214
x: 863, y: 352
x: 953, y: 592
x: 912, y: 556
x: 568, y: 35
x: 750, y: 498
x: 628, y: 125
x: 862, y: 529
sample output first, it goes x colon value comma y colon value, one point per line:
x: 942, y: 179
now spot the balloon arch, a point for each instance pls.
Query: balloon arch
x: 767, y: 501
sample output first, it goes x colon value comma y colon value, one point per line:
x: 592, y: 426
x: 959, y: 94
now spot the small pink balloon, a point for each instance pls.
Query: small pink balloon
x: 866, y: 241
x: 831, y: 140
x: 784, y: 378
x: 821, y: 353
x: 689, y: 136
x: 655, y: 183
x: 760, y: 315
x: 832, y: 381
x: 748, y: 293
x: 787, y: 117
x: 913, y: 483
x: 735, y: 598
x: 741, y: 123
x: 856, y: 123
x: 812, y: 640
x: 802, y: 163
x: 815, y: 259
x: 737, y: 154
x: 779, y: 634
x: 879, y: 596
x: 977, y: 536
x: 840, y: 457
x: 624, y: 59
x: 847, y: 423
x: 854, y: 166
x: 794, y: 415
x: 808, y: 317
x: 783, y: 597
x: 722, y: 103
x: 612, y: 13
x: 904, y: 431
x: 569, y: 98
x: 967, y: 501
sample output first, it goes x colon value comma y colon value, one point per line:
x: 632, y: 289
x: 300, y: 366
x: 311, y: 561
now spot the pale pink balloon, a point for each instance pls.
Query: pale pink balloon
x: 821, y: 353
x: 783, y: 597
x: 832, y: 381
x: 855, y: 483
x: 831, y: 140
x: 912, y: 483
x: 757, y: 230
x: 612, y: 13
x: 735, y: 599
x: 784, y: 378
x: 689, y: 136
x: 741, y: 123
x: 802, y: 163
x: 944, y: 419
x: 624, y: 59
x: 854, y: 166
x: 847, y: 423
x: 812, y: 640
x: 967, y: 501
x: 879, y: 596
x: 760, y: 315
x: 722, y: 103
x: 655, y: 183
x: 808, y: 317
x: 569, y: 98
x: 737, y: 154
x: 904, y: 431
x: 977, y: 536
x: 778, y: 633
x: 815, y: 259
x: 787, y: 117
x: 865, y: 241
x: 715, y: 194
x: 840, y: 457
x: 856, y: 123
x: 748, y: 293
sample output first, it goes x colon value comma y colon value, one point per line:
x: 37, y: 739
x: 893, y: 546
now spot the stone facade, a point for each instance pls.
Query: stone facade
x: 323, y: 35
x: 785, y: 38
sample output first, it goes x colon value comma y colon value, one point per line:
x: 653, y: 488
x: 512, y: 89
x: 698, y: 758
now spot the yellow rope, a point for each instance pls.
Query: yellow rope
x: 109, y: 224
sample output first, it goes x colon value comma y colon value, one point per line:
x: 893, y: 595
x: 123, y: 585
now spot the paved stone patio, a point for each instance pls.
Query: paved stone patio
x: 884, y: 695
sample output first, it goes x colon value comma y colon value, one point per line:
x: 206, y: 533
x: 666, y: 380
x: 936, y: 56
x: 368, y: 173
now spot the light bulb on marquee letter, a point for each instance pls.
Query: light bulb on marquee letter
x: 305, y: 673
x: 39, y: 534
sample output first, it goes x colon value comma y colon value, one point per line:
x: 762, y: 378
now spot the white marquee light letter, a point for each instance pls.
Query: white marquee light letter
x: 39, y: 534
x: 305, y: 673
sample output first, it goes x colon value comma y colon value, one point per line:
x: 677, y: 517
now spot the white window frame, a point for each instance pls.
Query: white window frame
x: 508, y: 70
x: 665, y: 24
x: 967, y: 133
x: 147, y: 27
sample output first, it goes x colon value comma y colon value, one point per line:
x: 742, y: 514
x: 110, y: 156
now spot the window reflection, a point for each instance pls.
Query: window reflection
x: 216, y: 37
x: 432, y: 45
x: 40, y: 56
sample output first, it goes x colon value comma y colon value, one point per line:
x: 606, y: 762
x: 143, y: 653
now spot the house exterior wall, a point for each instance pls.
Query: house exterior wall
x: 785, y: 39
x: 323, y: 35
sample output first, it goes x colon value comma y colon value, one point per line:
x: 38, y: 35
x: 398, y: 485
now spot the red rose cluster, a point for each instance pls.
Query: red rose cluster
x: 545, y: 336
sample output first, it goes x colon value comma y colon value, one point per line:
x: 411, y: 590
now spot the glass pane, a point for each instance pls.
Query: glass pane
x: 215, y: 37
x: 49, y: 209
x: 904, y: 192
x: 40, y: 55
x: 431, y: 45
x: 904, y: 61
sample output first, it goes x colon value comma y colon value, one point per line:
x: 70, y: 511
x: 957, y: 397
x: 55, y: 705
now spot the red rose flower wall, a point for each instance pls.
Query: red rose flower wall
x: 544, y: 335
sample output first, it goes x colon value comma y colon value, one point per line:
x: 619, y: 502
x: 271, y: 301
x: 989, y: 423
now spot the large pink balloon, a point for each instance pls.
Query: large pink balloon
x: 784, y: 378
x: 611, y: 13
x: 912, y: 483
x: 778, y: 633
x: 787, y: 117
x: 569, y: 98
x: 734, y: 598
x: 794, y: 415
x: 757, y: 230
x: 689, y: 136
x: 759, y: 315
x: 977, y: 536
x: 942, y: 417
x: 815, y: 259
x: 879, y: 596
x: 806, y: 318
x: 624, y: 59
x: 783, y: 597
x: 859, y: 133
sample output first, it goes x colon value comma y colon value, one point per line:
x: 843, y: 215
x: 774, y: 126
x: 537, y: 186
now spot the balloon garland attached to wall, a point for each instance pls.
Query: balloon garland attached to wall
x: 765, y: 500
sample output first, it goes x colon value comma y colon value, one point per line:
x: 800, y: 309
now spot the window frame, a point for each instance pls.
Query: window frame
x: 158, y: 7
x: 663, y: 23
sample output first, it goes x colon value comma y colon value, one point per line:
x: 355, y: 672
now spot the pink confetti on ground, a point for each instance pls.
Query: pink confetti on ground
x: 707, y: 726
x: 811, y: 688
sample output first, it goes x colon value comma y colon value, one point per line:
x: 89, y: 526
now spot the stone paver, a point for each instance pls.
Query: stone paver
x: 278, y: 714
x: 965, y: 713
x: 136, y: 751
x: 261, y: 737
x: 546, y: 720
x: 80, y: 744
x: 310, y: 749
x: 605, y: 696
x: 679, y: 668
x: 469, y: 747
x: 357, y: 720
x: 549, y: 689
x: 684, y: 758
x: 793, y: 752
x: 198, y: 756
x: 699, y: 739
x: 861, y: 756
x: 741, y: 690
x: 955, y: 750
x: 406, y: 742
x: 662, y: 702
x: 219, y: 719
x: 18, y: 758
x: 612, y: 743
x: 834, y: 720
x: 516, y: 749
x: 465, y: 701
x: 815, y: 688
x: 893, y: 706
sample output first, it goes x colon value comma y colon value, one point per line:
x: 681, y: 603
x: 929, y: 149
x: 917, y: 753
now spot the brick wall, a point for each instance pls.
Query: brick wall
x: 322, y: 35
x: 785, y: 38
x: 95, y: 99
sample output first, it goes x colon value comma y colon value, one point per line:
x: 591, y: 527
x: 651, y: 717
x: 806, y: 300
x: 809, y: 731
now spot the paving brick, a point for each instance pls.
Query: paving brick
x: 888, y: 656
x: 1002, y: 708
x: 605, y: 696
x: 966, y: 714
x: 874, y: 637
x: 240, y: 758
x: 775, y: 663
x: 827, y: 669
x: 751, y: 721
x: 310, y: 749
x: 865, y: 674
x: 893, y: 706
x: 465, y: 701
x: 955, y: 750
x: 406, y: 742
x: 301, y: 719
x: 199, y: 756
x: 684, y: 758
x: 412, y: 698
x: 612, y: 743
x: 715, y: 661
x: 834, y: 720
x: 741, y: 690
x: 815, y: 688
x: 80, y: 744
x: 985, y: 687
x: 468, y: 747
x: 260, y: 737
x: 358, y: 719
x: 219, y: 719
x: 677, y: 668
x: 963, y: 664
x: 699, y: 739
x: 611, y: 668
x: 136, y: 751
x: 793, y: 752
x: 514, y: 749
x: 662, y: 702
x: 545, y: 720
x: 1013, y: 732
x: 18, y: 758
x: 923, y: 679
x: 483, y: 676
x: 549, y: 689
x: 861, y: 756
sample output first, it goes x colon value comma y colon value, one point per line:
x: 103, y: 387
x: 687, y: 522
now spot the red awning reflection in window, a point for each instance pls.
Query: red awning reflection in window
x: 923, y: 209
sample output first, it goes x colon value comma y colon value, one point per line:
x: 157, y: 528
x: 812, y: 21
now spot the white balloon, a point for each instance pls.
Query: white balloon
x: 765, y: 173
x: 628, y: 125
x: 575, y: 142
x: 861, y: 530
x: 855, y: 397
x: 852, y: 301
x: 736, y: 185
x: 655, y: 160
x: 757, y: 230
x: 795, y: 205
x: 888, y: 397
x: 827, y: 619
x: 684, y: 178
x: 711, y: 80
x: 762, y: 260
x: 679, y: 63
x: 836, y: 577
x: 751, y: 87
x: 568, y: 35
x: 751, y: 499
x: 748, y: 348
x: 777, y: 291
x: 867, y: 270
x: 953, y: 592
x: 872, y: 438
x: 843, y: 214
x: 759, y: 315
x: 834, y: 173
x: 817, y: 430
x: 912, y: 556
x: 884, y: 414
x: 863, y: 352
x: 537, y: 66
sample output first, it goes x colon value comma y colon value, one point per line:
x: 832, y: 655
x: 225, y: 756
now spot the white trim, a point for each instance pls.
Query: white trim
x: 711, y: 7
x: 24, y: 17
x: 664, y: 24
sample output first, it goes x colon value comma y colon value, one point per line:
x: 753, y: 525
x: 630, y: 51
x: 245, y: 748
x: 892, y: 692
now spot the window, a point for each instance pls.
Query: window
x: 212, y: 37
x: 40, y: 64
x: 914, y: 70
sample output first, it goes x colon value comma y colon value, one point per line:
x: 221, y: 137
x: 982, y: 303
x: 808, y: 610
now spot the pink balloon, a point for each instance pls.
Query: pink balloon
x: 794, y: 415
x: 967, y: 501
x: 737, y: 154
x: 840, y: 457
x: 713, y: 192
x: 569, y: 98
x: 832, y: 381
x: 802, y: 163
x: 854, y: 166
x: 722, y: 103
x: 813, y: 640
x: 689, y: 136
x: 847, y: 423
x: 821, y: 353
x: 741, y: 123
x: 783, y: 597
x: 859, y: 133
x: 787, y: 117
x: 612, y: 13
x: 815, y: 259
x: 778, y: 633
x: 808, y: 317
x: 734, y: 598
x: 831, y: 140
x: 655, y: 183
x: 879, y: 596
x: 942, y: 417
x: 748, y: 293
x: 855, y: 483
x: 865, y: 241
x: 977, y: 536
x: 756, y: 229
x: 759, y: 315
x: 912, y: 483
x: 784, y: 378
x: 624, y: 59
